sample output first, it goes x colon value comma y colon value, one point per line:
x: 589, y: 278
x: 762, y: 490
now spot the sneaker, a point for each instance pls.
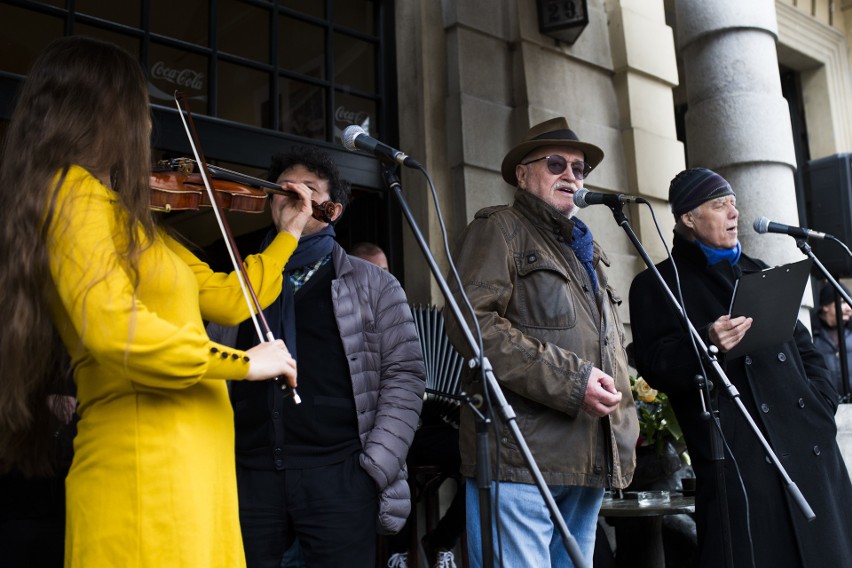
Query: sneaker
x: 398, y: 560
x: 445, y: 560
x: 437, y: 557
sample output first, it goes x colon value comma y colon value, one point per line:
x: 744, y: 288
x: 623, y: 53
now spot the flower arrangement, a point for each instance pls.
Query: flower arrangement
x: 657, y: 421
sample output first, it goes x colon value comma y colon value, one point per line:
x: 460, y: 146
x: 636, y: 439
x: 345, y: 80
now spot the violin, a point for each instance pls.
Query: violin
x: 252, y: 302
x: 175, y: 188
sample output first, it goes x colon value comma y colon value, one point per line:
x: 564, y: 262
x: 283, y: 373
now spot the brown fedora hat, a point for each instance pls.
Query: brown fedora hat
x: 553, y: 132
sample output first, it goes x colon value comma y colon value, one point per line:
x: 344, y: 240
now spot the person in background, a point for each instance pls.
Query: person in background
x: 550, y: 326
x: 784, y: 387
x: 87, y: 273
x: 371, y: 253
x: 827, y: 333
x: 330, y: 471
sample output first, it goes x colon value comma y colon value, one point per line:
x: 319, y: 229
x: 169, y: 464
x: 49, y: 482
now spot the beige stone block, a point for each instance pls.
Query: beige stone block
x: 646, y: 229
x: 486, y: 16
x: 643, y: 44
x: 592, y: 47
x: 646, y: 103
x: 485, y: 133
x: 482, y: 65
x: 484, y: 188
x: 654, y: 10
x: 568, y: 87
x: 652, y: 162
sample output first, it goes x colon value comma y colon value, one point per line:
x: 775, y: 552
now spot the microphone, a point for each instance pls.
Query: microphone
x: 356, y: 138
x: 583, y: 198
x: 764, y: 225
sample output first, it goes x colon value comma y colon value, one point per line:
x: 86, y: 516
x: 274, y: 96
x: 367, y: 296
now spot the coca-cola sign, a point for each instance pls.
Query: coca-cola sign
x: 341, y: 114
x: 186, y: 78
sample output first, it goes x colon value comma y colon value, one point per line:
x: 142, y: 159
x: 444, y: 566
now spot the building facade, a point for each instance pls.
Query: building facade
x: 754, y: 90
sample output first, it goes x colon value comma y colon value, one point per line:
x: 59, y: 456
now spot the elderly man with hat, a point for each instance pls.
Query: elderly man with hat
x: 551, y: 329
x: 784, y: 387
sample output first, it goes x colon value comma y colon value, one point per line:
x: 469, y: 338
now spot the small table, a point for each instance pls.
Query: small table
x: 678, y: 503
x: 639, y: 528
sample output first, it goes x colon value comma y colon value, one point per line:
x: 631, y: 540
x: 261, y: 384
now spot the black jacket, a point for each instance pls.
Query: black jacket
x: 785, y: 389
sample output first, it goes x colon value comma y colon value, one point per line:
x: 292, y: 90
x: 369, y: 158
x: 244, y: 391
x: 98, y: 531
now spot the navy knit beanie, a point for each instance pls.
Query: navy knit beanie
x: 690, y: 188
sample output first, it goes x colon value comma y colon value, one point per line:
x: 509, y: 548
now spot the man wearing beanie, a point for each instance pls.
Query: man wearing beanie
x: 784, y: 387
x: 828, y: 336
x: 550, y: 327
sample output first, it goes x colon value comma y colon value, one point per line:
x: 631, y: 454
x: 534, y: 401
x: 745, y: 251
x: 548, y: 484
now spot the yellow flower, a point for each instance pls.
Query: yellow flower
x: 644, y: 391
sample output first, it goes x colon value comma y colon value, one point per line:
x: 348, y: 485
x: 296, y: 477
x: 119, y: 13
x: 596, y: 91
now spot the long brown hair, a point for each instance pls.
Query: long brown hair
x: 84, y: 103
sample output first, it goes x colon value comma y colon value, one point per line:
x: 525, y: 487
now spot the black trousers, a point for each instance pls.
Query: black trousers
x: 332, y: 510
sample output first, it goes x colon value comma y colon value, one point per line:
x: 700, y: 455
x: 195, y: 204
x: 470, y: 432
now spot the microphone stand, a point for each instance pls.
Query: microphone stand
x: 729, y: 389
x: 492, y: 387
x: 839, y: 293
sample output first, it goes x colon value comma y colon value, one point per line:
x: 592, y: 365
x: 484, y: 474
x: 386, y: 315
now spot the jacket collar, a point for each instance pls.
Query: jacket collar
x: 543, y: 215
x: 549, y: 220
x: 687, y: 251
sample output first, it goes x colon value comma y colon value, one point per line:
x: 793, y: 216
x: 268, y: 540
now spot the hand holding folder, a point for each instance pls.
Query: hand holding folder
x: 771, y: 298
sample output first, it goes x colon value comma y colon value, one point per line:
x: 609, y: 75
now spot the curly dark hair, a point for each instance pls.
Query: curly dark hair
x: 316, y: 161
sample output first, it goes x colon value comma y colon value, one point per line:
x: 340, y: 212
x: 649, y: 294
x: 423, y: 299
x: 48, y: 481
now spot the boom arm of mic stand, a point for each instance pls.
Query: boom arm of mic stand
x: 506, y: 411
x: 730, y: 389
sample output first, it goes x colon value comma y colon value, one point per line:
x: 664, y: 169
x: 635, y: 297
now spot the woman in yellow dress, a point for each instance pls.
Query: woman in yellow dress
x: 84, y: 265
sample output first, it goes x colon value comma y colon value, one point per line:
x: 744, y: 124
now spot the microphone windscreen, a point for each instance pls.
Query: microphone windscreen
x: 761, y: 225
x: 580, y: 197
x: 349, y: 134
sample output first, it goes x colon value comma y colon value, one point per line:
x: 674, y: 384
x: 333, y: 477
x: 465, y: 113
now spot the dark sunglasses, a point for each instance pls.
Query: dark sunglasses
x: 557, y: 165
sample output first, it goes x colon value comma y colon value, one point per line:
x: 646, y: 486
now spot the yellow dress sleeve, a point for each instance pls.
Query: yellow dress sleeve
x: 220, y: 296
x: 154, y: 337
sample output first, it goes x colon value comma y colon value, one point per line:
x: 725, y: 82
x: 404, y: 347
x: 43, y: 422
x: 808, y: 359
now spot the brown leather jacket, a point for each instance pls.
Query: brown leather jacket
x: 543, y: 329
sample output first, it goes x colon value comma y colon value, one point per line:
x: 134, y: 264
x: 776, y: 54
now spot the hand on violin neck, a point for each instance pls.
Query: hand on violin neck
x: 292, y: 212
x: 269, y: 360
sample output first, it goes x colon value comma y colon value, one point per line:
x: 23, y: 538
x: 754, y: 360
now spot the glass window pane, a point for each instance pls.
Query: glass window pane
x: 243, y: 30
x: 302, y: 108
x: 354, y: 63
x: 301, y: 47
x: 187, y: 20
x: 315, y: 8
x: 129, y: 43
x: 244, y: 96
x: 349, y: 109
x: 356, y: 14
x: 126, y: 12
x: 23, y: 34
x: 172, y: 69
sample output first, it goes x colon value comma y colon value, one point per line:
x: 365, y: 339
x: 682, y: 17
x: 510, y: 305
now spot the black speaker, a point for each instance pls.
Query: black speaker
x: 830, y: 210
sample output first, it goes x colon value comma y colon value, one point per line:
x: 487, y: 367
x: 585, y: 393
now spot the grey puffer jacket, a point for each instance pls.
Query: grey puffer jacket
x: 388, y: 377
x: 543, y: 329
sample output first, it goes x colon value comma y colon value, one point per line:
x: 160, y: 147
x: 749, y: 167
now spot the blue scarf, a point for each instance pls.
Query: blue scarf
x: 715, y: 256
x: 581, y: 244
x: 281, y: 314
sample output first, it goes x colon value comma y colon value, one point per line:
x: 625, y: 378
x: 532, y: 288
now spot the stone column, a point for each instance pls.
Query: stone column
x: 737, y: 122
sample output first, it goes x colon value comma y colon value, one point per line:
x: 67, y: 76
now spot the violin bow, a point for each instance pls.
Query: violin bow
x: 242, y: 277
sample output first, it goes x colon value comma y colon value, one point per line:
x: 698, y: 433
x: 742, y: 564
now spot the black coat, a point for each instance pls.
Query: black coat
x: 785, y: 389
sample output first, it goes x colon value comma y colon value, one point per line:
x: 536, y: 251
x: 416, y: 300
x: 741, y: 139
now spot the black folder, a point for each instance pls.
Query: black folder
x: 772, y: 297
